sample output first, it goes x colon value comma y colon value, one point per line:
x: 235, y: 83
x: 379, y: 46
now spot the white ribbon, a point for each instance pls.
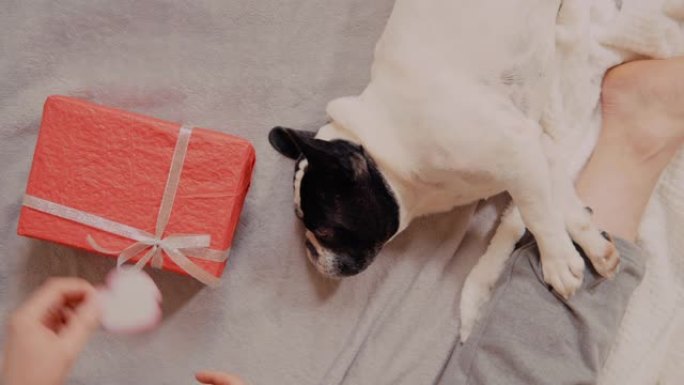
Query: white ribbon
x: 171, y: 245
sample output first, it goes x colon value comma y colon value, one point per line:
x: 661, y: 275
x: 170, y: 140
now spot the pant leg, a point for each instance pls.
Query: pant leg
x: 530, y: 335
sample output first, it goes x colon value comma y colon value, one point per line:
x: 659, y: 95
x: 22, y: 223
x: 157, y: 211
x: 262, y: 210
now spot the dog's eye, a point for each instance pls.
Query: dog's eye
x: 325, y: 234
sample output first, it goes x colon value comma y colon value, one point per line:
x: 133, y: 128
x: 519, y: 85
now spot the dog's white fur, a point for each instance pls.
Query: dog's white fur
x: 451, y: 118
x: 300, y: 169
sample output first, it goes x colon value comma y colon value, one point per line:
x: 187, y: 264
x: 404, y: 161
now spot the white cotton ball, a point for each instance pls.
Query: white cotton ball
x: 130, y: 302
x: 130, y: 281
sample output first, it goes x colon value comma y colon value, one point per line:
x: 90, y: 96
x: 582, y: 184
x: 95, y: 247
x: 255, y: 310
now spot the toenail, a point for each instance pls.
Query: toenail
x: 607, y: 236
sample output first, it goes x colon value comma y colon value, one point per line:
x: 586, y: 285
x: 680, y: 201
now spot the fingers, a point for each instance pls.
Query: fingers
x: 80, y: 323
x: 67, y: 306
x: 218, y: 378
x: 57, y: 318
x: 53, y: 295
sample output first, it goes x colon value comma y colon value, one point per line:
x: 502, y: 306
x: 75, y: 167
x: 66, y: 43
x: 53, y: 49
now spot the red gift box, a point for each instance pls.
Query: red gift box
x: 99, y: 177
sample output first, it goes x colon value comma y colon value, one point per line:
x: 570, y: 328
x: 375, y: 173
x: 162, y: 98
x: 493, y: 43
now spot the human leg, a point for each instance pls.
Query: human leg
x: 643, y: 128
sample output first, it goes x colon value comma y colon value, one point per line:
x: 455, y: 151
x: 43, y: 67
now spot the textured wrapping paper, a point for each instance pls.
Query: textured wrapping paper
x: 115, y: 164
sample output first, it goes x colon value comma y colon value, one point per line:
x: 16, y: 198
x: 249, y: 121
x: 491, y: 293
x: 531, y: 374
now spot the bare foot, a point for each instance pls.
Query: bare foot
x: 643, y: 106
x: 643, y: 128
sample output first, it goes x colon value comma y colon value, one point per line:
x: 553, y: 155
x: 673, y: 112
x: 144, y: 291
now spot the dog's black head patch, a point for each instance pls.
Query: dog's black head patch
x: 345, y: 202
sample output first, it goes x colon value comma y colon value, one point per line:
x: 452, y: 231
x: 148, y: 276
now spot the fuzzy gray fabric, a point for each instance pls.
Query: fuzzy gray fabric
x: 240, y: 67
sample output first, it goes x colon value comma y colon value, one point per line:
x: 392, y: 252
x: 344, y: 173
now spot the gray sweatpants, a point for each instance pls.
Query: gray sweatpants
x: 529, y: 335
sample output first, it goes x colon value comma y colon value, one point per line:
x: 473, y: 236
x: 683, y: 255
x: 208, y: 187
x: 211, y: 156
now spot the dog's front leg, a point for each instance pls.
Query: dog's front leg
x: 598, y: 248
x: 531, y: 190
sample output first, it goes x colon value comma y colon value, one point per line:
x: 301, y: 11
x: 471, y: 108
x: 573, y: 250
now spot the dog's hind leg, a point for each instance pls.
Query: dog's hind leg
x: 477, y: 289
x: 530, y: 186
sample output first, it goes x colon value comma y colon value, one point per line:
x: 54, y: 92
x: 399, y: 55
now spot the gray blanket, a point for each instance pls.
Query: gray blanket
x: 240, y: 67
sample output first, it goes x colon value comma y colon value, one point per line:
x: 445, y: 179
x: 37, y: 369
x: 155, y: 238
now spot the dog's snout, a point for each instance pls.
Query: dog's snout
x: 312, y: 249
x: 347, y: 266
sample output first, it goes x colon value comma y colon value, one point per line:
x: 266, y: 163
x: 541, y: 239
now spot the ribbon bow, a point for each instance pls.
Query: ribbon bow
x: 174, y: 245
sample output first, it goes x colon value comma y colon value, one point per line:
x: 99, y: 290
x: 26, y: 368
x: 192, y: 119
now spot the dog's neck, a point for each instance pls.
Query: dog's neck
x: 402, y: 189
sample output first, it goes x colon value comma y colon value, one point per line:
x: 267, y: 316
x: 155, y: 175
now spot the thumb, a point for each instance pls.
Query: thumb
x: 81, y: 324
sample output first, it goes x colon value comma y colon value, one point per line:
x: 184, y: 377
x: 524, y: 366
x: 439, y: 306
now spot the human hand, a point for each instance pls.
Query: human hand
x: 46, y: 334
x: 218, y: 378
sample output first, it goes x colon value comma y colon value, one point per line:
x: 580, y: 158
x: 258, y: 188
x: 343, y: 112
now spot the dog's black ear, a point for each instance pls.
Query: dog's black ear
x: 287, y: 141
x: 322, y: 154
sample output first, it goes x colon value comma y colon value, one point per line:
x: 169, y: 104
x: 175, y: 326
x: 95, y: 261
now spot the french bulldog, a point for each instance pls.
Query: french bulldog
x: 450, y: 116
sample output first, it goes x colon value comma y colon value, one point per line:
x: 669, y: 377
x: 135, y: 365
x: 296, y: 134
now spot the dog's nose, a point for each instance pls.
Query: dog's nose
x: 312, y: 249
x: 347, y: 266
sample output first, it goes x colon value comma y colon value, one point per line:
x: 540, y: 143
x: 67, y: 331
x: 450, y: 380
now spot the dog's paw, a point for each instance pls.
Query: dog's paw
x: 609, y: 261
x: 603, y: 254
x: 597, y: 245
x: 564, y: 272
